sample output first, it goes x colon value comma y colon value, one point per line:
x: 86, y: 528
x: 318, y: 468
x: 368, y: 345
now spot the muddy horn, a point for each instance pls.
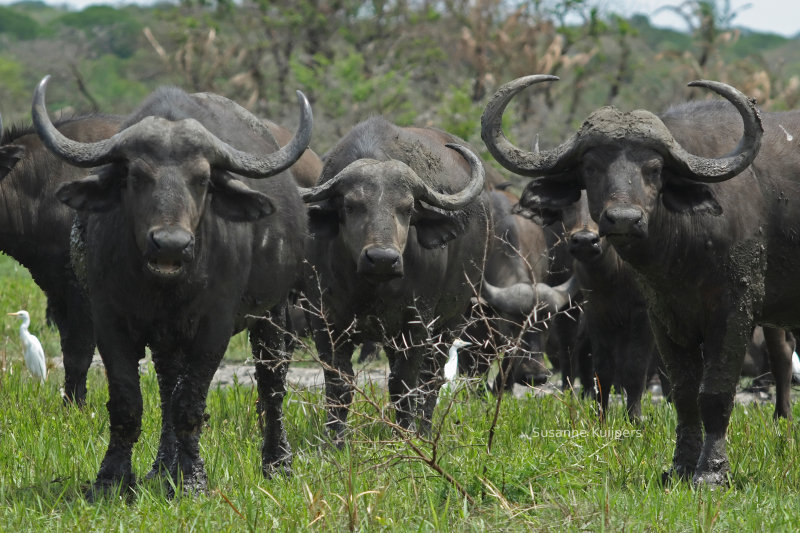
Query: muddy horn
x: 551, y: 162
x: 531, y: 164
x: 452, y: 202
x: 76, y: 153
x: 712, y: 170
x: 101, y: 152
x: 522, y: 298
x: 422, y: 191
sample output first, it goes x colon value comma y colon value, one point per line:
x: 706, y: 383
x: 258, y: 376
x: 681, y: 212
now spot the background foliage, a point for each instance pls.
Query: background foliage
x: 423, y: 62
x: 416, y: 61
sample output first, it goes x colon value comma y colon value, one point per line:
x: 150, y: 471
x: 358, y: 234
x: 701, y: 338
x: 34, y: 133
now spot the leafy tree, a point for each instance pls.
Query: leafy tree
x: 113, y: 29
x: 18, y: 25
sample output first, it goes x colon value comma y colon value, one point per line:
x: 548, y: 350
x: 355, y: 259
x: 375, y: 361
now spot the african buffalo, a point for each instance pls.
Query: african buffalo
x: 184, y: 246
x: 711, y: 237
x: 517, y: 253
x: 400, y: 221
x: 618, y: 327
x: 35, y: 230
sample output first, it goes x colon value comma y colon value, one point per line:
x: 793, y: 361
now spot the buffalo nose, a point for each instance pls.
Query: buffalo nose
x: 381, y: 262
x: 173, y: 242
x: 584, y: 238
x: 584, y: 245
x: 622, y: 221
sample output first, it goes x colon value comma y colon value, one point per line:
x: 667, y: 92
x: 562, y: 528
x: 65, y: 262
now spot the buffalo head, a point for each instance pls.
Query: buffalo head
x: 162, y: 174
x: 373, y: 204
x: 625, y: 161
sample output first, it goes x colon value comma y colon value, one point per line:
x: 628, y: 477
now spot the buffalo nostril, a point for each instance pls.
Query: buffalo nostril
x: 623, y: 215
x: 585, y: 238
x: 380, y: 263
x: 169, y: 240
x: 382, y: 256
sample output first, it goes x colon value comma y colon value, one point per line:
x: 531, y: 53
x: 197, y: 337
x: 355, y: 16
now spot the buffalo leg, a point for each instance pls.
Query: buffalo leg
x: 338, y: 370
x: 565, y: 327
x: 167, y: 364
x: 537, y: 372
x: 724, y: 348
x: 75, y: 329
x: 369, y: 352
x: 189, y: 399
x: 403, y: 377
x: 684, y: 368
x: 272, y: 364
x: 634, y: 360
x: 780, y: 358
x: 121, y: 359
x: 604, y: 368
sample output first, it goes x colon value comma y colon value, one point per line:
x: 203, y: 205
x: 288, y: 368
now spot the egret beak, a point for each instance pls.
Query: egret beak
x: 12, y: 314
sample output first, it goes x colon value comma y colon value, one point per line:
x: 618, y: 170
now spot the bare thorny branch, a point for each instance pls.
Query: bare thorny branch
x: 370, y: 409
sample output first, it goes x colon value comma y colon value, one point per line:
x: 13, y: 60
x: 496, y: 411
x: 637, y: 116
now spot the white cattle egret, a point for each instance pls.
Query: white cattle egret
x: 795, y: 368
x: 34, y: 354
x: 451, y: 366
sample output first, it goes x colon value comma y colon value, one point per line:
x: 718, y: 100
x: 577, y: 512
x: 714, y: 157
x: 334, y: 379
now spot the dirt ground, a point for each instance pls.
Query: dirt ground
x: 304, y: 377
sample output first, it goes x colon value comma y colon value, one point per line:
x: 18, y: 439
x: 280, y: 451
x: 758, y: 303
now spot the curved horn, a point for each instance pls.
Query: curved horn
x: 455, y: 201
x: 325, y: 190
x: 1, y: 126
x: 522, y: 298
x: 264, y: 166
x: 421, y: 190
x: 76, y: 153
x: 532, y: 164
x: 713, y: 170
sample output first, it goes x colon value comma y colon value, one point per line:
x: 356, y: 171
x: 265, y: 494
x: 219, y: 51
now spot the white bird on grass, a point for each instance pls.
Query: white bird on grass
x: 451, y: 366
x: 795, y: 368
x: 34, y: 354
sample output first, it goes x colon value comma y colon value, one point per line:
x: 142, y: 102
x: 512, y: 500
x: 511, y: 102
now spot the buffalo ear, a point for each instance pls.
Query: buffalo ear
x: 681, y: 196
x: 9, y: 155
x: 544, y: 198
x: 323, y: 220
x: 232, y: 200
x: 435, y: 228
x: 93, y: 193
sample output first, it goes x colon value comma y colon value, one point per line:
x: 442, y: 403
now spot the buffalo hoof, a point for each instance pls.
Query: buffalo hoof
x: 712, y: 473
x: 159, y: 469
x: 73, y: 399
x: 188, y: 478
x: 711, y: 479
x: 278, y: 467
x: 677, y: 473
x: 405, y: 423
x: 193, y: 485
x: 108, y: 488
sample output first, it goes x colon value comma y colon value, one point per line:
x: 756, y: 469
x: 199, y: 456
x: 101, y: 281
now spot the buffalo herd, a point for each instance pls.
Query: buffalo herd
x: 642, y: 244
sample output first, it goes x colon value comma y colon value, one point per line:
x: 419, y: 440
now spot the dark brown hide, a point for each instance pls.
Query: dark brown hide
x: 714, y: 253
x: 390, y: 265
x: 185, y: 245
x: 35, y: 230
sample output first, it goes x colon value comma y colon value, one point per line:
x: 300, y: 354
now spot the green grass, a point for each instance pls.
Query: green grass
x: 579, y: 477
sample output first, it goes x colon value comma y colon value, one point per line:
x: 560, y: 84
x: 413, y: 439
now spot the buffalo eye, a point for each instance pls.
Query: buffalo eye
x: 201, y: 180
x: 140, y: 180
x: 406, y: 210
x: 352, y: 206
x: 590, y: 168
x: 651, y: 170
